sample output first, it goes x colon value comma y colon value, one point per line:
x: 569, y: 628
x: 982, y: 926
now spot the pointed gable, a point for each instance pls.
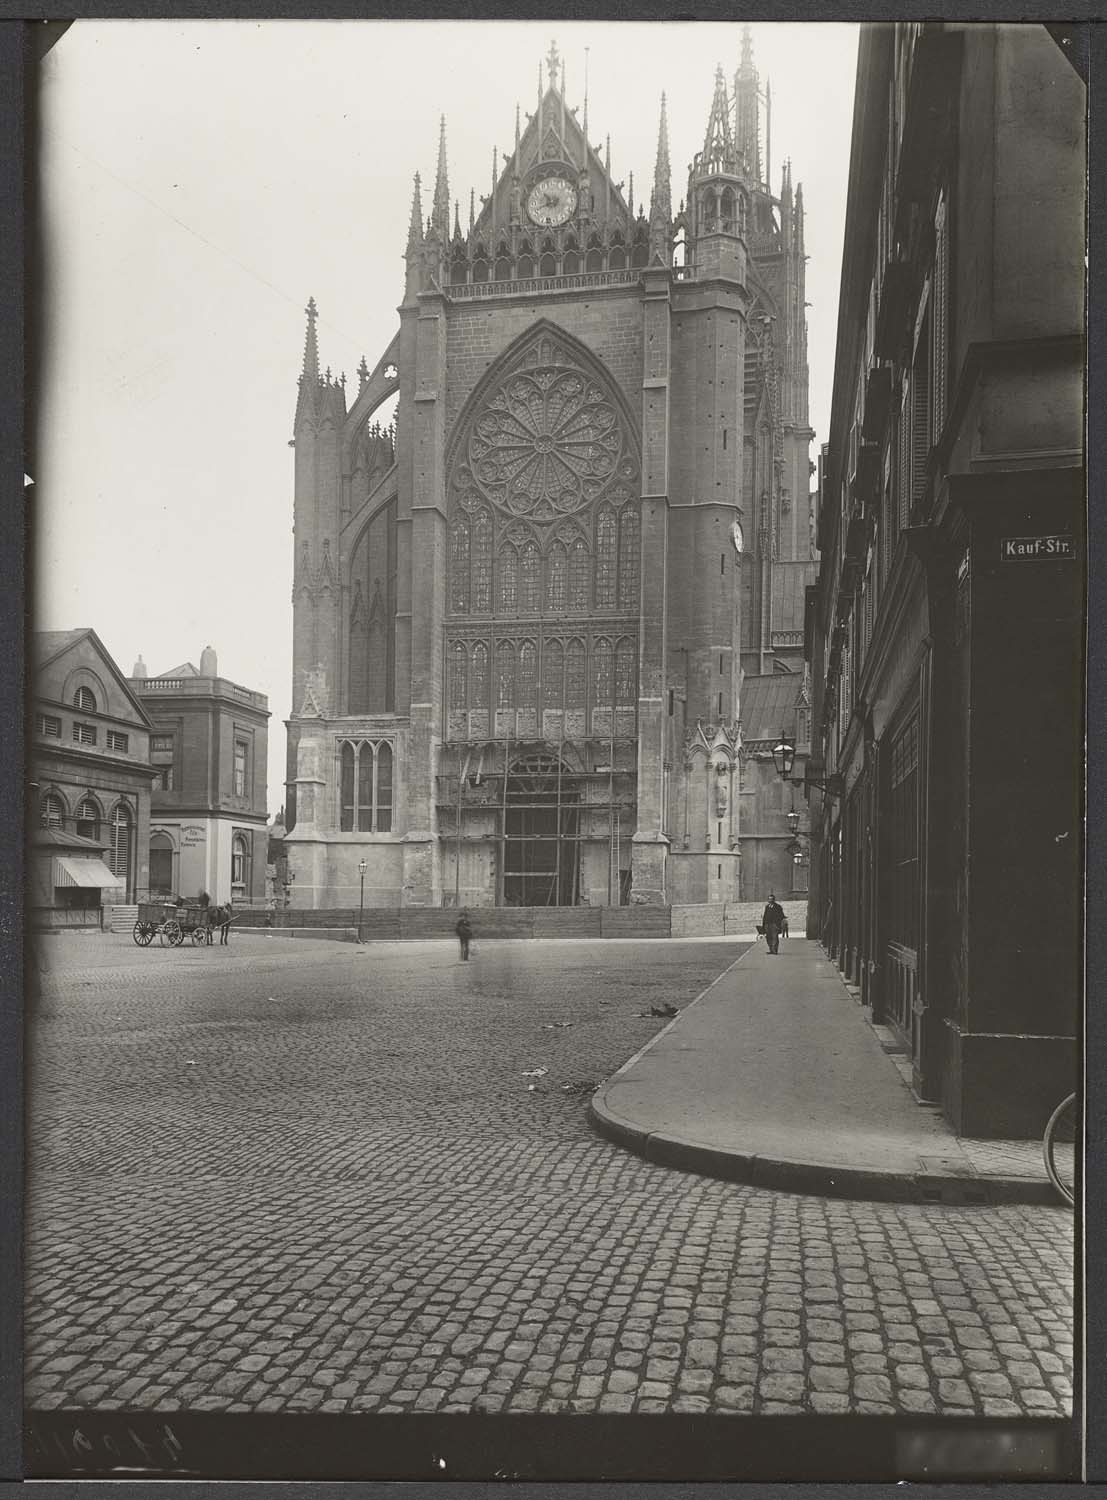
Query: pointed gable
x: 551, y: 139
x: 60, y: 655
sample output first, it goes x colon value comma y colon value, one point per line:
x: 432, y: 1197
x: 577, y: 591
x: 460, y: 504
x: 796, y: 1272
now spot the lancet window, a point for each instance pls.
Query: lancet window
x: 606, y: 551
x: 508, y: 568
x: 602, y: 670
x: 528, y: 675
x: 557, y: 567
x: 629, y: 558
x: 575, y: 678
x: 459, y: 664
x: 530, y: 578
x: 553, y: 674
x: 372, y: 667
x: 625, y: 671
x: 478, y: 677
x: 505, y: 675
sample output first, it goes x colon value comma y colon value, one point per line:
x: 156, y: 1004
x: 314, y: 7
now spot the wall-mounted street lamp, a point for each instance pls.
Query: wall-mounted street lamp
x: 363, y: 865
x: 784, y: 759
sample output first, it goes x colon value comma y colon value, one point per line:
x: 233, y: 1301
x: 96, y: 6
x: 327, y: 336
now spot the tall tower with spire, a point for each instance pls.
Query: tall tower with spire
x: 522, y: 613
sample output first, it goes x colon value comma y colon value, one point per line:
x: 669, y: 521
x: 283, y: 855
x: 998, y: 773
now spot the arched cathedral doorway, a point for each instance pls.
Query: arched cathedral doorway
x: 542, y: 834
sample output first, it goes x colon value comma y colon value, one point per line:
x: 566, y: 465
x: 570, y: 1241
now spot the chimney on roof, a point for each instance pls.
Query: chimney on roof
x: 138, y: 671
x: 209, y: 666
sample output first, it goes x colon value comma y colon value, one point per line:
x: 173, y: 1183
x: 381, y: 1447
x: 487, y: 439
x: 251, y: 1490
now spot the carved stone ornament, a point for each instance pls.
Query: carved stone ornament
x: 547, y: 442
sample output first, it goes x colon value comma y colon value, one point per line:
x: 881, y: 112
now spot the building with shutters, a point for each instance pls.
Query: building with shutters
x: 90, y: 782
x: 208, y: 747
x: 523, y: 612
x: 946, y: 630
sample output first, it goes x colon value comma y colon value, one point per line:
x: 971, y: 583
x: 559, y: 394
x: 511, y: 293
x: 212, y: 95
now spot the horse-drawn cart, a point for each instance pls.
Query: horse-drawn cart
x: 171, y: 924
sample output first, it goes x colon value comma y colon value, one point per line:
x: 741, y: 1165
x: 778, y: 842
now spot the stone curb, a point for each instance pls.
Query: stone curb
x: 822, y: 1179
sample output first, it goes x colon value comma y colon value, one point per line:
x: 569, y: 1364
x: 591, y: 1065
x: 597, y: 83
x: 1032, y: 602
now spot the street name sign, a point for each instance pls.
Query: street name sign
x: 1037, y: 548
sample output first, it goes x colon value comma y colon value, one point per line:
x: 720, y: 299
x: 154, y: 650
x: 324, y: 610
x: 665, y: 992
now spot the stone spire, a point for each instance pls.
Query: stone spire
x: 441, y: 211
x: 746, y: 111
x: 718, y: 143
x: 415, y: 228
x: 307, y: 399
x: 414, y: 252
x: 311, y: 345
x: 661, y: 199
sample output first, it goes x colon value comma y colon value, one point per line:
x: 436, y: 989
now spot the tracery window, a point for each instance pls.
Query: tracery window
x: 625, y: 663
x: 605, y: 560
x: 459, y: 564
x: 482, y: 562
x: 503, y: 263
x: 602, y: 684
x: 505, y: 675
x: 365, y: 787
x: 373, y: 580
x: 543, y: 520
x: 478, y: 679
x: 578, y: 575
x: 629, y: 559
x: 459, y: 662
x: 525, y: 264
x: 508, y: 580
x: 556, y: 569
x: 528, y: 675
x: 575, y: 675
x: 531, y: 577
x: 593, y: 260
x: 553, y: 674
x: 617, y: 259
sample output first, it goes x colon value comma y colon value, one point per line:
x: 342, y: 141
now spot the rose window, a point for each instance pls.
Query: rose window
x: 547, y: 443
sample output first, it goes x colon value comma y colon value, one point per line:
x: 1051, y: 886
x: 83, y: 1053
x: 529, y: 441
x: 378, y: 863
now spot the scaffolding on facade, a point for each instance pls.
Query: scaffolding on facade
x: 537, y: 801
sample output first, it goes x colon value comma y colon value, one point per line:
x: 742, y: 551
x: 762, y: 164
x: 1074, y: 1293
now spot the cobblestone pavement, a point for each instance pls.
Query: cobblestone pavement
x: 321, y: 1179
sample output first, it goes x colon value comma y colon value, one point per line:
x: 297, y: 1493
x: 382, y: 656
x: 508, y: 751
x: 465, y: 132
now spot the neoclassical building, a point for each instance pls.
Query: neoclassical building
x: 523, y: 611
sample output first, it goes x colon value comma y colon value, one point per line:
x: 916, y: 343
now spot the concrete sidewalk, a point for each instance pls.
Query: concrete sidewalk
x: 774, y: 1076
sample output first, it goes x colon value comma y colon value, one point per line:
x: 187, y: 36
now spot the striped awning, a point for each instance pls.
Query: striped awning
x: 90, y: 873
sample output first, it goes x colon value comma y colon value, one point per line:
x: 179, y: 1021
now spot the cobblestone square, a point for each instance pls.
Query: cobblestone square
x: 310, y: 1176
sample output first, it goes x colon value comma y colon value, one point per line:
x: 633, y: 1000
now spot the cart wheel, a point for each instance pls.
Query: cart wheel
x: 142, y: 934
x: 1062, y: 1137
x: 172, y: 934
x: 198, y: 936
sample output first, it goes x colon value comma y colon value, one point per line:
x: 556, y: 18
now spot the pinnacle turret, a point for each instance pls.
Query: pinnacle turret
x: 415, y: 228
x: 311, y: 343
x: 441, y: 211
x: 718, y: 143
x: 661, y: 199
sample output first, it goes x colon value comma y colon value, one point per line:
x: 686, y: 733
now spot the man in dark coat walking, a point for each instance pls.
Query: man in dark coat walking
x: 464, y: 930
x: 772, y: 920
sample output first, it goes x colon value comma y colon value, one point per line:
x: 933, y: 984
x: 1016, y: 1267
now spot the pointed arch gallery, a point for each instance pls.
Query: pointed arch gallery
x: 543, y: 530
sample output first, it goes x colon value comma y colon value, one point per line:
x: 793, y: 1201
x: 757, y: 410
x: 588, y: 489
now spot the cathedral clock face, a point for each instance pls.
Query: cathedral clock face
x: 736, y: 537
x: 551, y: 202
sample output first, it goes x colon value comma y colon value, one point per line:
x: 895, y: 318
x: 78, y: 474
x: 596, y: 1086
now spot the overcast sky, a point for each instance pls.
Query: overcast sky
x: 202, y: 179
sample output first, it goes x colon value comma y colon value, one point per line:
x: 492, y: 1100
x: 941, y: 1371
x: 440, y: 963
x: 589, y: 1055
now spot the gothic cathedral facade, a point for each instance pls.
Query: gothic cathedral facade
x: 523, y: 611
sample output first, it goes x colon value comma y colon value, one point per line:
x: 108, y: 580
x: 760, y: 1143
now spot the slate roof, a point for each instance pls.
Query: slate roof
x: 768, y: 705
x: 48, y: 643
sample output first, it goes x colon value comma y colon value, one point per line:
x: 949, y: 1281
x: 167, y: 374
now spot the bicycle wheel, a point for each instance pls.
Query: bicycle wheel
x: 1059, y: 1146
